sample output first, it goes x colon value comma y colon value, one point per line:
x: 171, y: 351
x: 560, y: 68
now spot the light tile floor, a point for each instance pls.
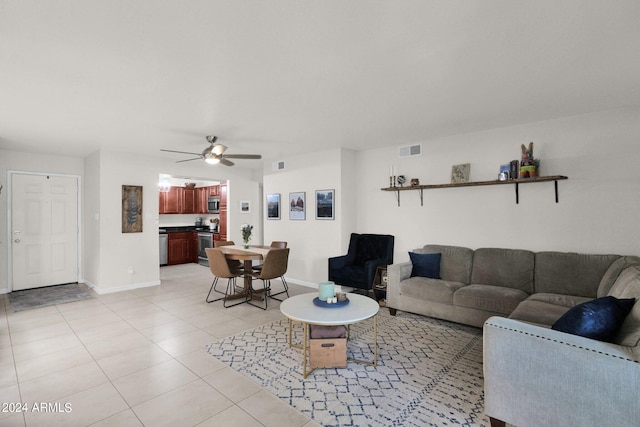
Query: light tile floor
x: 134, y: 358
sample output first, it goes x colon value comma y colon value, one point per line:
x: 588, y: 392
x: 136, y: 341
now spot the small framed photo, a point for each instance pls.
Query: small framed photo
x: 273, y: 206
x: 325, y: 204
x: 297, y: 205
x: 245, y: 206
x: 460, y: 173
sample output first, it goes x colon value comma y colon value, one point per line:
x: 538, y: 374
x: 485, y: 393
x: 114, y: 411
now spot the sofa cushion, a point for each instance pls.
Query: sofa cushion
x: 598, y: 319
x: 571, y: 273
x: 433, y: 290
x: 512, y: 268
x: 628, y: 286
x: 455, y: 262
x: 425, y: 265
x: 496, y: 299
x: 545, y: 309
x: 613, y: 272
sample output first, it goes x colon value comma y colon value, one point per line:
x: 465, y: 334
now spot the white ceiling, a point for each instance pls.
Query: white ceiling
x: 281, y: 77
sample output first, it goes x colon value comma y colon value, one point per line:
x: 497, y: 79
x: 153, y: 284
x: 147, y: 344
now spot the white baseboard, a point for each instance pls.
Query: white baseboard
x: 101, y: 291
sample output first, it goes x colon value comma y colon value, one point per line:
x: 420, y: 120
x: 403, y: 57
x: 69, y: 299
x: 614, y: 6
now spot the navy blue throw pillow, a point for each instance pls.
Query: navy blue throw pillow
x: 425, y: 265
x: 599, y: 319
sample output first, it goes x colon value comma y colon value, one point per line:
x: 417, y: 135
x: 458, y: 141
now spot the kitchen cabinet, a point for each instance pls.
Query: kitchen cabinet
x: 170, y: 201
x: 193, y: 249
x: 202, y: 196
x: 180, y: 247
x: 188, y: 200
x: 214, y: 190
x: 223, y: 212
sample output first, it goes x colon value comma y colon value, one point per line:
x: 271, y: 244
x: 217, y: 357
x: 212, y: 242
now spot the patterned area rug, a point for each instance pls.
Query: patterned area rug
x: 429, y: 373
x: 43, y: 297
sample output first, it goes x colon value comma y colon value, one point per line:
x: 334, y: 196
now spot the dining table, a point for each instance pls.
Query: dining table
x: 247, y: 256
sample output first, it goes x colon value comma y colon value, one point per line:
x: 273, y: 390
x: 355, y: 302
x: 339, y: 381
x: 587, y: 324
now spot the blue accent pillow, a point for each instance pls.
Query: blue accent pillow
x: 425, y: 265
x: 599, y: 319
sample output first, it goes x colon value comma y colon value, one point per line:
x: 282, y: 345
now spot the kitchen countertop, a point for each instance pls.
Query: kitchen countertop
x: 186, y: 228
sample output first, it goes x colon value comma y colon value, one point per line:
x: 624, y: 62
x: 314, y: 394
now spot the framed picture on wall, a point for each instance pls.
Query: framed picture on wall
x: 273, y: 206
x: 132, y: 209
x: 297, y: 205
x: 325, y: 204
x: 245, y: 206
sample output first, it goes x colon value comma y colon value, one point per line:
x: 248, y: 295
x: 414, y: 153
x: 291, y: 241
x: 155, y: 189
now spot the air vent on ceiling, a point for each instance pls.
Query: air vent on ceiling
x: 278, y: 165
x: 410, y: 150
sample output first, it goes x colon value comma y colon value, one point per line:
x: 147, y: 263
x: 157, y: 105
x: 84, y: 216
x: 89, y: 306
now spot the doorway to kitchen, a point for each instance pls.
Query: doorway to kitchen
x: 44, y: 212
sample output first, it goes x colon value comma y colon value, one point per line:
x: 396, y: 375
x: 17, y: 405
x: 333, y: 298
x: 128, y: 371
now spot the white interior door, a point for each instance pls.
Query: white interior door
x: 44, y: 230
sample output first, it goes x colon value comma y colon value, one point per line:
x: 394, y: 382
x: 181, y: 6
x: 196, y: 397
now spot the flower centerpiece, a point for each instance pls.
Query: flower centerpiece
x: 246, y: 234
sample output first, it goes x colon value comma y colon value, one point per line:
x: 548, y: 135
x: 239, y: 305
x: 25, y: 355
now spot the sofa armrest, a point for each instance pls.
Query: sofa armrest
x: 338, y: 262
x: 535, y: 376
x: 395, y: 274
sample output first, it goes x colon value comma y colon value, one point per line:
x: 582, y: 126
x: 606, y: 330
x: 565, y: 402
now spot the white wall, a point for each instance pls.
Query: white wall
x: 17, y: 161
x: 312, y: 241
x: 599, y: 205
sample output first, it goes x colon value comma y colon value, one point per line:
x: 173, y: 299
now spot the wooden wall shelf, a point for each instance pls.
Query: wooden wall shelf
x: 516, y: 182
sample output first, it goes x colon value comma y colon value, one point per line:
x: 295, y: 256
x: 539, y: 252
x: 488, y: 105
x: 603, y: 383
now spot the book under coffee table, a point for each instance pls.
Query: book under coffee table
x: 301, y: 308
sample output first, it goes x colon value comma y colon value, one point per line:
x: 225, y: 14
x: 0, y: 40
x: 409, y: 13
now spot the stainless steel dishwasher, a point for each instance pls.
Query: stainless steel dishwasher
x: 164, y: 247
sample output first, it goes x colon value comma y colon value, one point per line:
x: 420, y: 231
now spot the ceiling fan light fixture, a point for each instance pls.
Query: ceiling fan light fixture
x: 212, y: 160
x: 218, y: 149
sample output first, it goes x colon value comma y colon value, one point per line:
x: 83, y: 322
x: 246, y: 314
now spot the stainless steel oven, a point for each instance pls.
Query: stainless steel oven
x: 205, y: 240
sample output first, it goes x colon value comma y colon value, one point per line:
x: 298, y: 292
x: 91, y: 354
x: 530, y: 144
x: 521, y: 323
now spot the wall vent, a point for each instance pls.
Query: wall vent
x: 278, y: 165
x: 410, y: 150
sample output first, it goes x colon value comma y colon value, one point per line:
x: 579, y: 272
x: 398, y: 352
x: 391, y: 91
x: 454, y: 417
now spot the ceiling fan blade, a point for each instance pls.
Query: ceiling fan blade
x: 188, y: 160
x: 243, y: 156
x: 224, y: 161
x: 181, y: 152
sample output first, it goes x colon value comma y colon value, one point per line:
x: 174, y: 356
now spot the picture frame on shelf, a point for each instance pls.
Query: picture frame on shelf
x: 460, y: 173
x: 297, y: 206
x: 273, y: 206
x: 325, y: 204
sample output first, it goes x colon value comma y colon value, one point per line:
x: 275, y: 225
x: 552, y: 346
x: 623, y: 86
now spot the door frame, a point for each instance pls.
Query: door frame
x: 78, y: 178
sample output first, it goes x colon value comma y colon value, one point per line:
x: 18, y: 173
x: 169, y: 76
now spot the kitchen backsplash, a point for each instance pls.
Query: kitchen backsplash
x: 184, y: 219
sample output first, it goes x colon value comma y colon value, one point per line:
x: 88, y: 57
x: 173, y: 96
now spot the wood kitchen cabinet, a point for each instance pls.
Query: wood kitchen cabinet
x: 223, y: 212
x: 180, y: 247
x: 202, y: 196
x: 188, y: 200
x: 170, y: 201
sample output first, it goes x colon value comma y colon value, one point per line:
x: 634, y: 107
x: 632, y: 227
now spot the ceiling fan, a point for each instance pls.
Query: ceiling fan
x: 214, y: 154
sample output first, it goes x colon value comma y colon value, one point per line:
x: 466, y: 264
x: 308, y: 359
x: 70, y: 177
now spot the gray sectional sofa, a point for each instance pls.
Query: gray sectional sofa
x: 535, y: 375
x: 537, y: 287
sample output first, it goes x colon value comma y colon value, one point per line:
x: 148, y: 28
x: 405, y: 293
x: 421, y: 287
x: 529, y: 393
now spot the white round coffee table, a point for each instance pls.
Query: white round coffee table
x: 300, y: 308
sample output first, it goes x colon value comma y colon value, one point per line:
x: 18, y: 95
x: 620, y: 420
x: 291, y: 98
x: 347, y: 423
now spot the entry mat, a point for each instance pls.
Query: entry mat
x: 50, y: 295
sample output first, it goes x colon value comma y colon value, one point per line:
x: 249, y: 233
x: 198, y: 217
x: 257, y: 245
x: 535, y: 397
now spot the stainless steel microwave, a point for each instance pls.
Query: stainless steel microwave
x: 213, y: 204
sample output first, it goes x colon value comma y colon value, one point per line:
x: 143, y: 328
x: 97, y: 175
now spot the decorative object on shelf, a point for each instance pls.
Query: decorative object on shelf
x: 460, y: 173
x: 514, y: 169
x: 325, y: 207
x: 504, y: 172
x: 246, y: 234
x: 190, y: 185
x: 529, y: 165
x: 392, y: 177
x: 401, y: 180
x: 414, y: 182
x: 132, y: 209
x: 273, y: 206
x: 297, y: 204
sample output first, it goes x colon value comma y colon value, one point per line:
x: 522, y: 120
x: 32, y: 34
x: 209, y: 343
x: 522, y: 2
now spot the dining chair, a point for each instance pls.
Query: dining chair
x: 280, y: 245
x: 220, y: 269
x: 274, y: 266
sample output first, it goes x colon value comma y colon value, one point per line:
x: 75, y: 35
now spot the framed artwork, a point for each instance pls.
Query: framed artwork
x: 297, y: 205
x: 132, y: 209
x: 460, y: 173
x: 245, y: 206
x: 325, y: 204
x: 273, y: 206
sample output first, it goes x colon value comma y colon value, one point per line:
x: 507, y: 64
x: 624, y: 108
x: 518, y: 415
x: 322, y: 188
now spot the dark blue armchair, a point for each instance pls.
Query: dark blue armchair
x: 357, y: 268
